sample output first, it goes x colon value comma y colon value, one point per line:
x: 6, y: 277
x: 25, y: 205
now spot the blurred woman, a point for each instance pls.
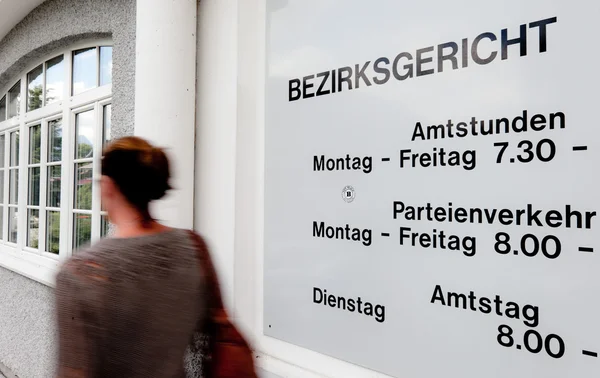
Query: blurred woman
x: 129, y: 305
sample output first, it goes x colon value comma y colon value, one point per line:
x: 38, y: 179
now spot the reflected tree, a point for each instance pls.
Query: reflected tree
x: 36, y: 97
x: 53, y: 230
x: 83, y: 229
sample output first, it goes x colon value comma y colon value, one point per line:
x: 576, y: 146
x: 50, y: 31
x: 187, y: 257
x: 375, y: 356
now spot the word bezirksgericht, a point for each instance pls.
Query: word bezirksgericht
x: 425, y: 61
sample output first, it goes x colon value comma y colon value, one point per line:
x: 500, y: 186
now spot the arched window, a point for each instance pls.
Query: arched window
x: 54, y: 120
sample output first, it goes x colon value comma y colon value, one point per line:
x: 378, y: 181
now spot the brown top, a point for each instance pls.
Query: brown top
x: 129, y: 307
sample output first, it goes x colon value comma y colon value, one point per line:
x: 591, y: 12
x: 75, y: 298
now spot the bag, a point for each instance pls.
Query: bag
x: 226, y: 354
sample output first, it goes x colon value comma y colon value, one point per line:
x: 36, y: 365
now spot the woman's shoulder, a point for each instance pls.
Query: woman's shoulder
x: 166, y: 234
x: 84, y: 266
x: 91, y: 261
x: 87, y: 263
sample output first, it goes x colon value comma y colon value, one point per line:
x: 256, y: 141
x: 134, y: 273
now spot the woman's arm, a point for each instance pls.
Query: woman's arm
x: 73, y: 352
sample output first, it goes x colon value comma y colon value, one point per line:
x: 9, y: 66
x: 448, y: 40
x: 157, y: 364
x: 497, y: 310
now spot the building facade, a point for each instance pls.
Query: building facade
x: 287, y: 120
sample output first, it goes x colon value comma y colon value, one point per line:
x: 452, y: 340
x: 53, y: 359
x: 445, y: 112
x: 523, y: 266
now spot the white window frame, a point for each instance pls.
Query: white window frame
x: 36, y: 263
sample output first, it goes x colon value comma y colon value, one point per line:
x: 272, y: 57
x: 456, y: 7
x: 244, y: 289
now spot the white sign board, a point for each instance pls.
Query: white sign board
x: 432, y: 185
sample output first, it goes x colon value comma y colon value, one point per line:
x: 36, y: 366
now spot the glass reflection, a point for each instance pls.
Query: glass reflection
x: 85, y: 70
x: 53, y: 232
x: 2, y: 151
x: 14, y: 100
x: 14, y: 148
x: 13, y: 222
x: 2, y: 223
x: 84, y: 134
x: 83, y: 186
x: 35, y: 88
x: 55, y: 140
x: 82, y: 234
x: 34, y: 187
x: 33, y: 229
x: 13, y: 189
x: 54, y: 183
x: 107, y: 124
x: 3, y: 109
x: 35, y: 144
x: 105, y: 65
x: 1, y: 187
x: 55, y: 79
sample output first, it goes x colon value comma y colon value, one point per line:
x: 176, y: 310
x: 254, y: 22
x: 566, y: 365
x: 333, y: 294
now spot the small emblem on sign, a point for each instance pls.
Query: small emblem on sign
x: 348, y: 194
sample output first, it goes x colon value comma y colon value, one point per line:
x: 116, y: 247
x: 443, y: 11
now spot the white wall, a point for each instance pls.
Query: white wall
x: 229, y: 175
x: 165, y: 79
x: 216, y: 132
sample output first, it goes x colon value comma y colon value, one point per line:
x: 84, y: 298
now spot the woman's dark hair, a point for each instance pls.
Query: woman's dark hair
x: 140, y: 171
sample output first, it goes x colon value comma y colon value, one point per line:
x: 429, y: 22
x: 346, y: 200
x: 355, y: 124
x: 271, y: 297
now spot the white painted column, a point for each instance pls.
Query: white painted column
x: 217, y: 134
x: 165, y: 96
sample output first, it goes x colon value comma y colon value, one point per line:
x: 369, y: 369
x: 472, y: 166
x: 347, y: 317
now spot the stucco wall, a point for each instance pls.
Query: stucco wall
x: 27, y: 332
x: 27, y: 324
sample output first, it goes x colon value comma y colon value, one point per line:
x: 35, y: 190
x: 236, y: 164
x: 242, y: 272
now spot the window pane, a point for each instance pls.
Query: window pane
x: 105, y: 65
x: 3, y: 109
x: 103, y: 226
x: 107, y: 127
x: 53, y: 196
x: 85, y: 70
x: 84, y: 134
x: 83, y: 186
x: 55, y: 140
x: 2, y: 145
x: 34, y: 187
x: 2, y: 186
x: 35, y: 88
x: 1, y: 222
x: 14, y: 148
x: 35, y: 144
x: 13, y: 194
x: 33, y: 229
x: 53, y: 232
x: 13, y: 221
x: 82, y: 234
x: 55, y: 79
x: 14, y: 100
